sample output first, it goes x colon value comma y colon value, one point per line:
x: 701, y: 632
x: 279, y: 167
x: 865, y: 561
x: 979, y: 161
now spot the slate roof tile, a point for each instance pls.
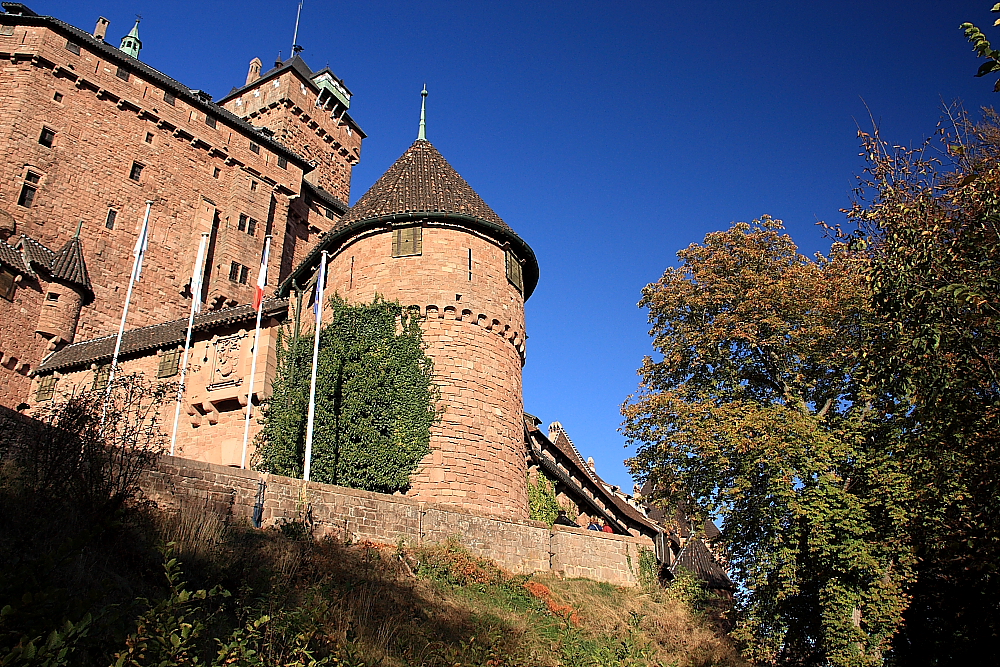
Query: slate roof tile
x: 152, y: 337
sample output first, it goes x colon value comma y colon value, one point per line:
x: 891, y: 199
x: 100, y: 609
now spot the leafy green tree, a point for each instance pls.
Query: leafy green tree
x: 931, y: 223
x: 757, y: 411
x: 375, y: 400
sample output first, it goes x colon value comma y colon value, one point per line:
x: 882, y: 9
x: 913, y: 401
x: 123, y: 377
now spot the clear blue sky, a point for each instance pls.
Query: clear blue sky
x: 607, y: 134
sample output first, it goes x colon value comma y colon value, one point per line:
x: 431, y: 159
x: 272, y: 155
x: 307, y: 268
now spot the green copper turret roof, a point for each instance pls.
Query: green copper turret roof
x: 131, y: 44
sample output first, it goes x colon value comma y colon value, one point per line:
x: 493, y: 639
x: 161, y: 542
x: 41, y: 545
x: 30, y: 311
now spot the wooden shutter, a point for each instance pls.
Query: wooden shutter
x: 514, y: 272
x: 407, y: 241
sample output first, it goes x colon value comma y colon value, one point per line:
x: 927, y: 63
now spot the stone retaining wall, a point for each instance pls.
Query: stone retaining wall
x: 522, y: 547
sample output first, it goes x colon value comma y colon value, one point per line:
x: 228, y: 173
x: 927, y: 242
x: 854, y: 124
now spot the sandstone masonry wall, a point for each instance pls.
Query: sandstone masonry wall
x: 473, y: 322
x: 521, y: 546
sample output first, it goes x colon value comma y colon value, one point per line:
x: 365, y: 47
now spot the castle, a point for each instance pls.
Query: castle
x: 94, y: 137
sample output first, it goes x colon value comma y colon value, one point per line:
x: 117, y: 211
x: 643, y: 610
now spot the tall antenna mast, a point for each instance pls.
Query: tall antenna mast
x: 295, y: 38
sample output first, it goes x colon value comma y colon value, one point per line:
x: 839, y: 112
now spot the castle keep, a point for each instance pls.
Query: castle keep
x: 92, y: 138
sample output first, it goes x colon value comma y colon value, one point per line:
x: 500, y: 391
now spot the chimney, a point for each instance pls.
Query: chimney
x: 102, y: 28
x: 254, y: 72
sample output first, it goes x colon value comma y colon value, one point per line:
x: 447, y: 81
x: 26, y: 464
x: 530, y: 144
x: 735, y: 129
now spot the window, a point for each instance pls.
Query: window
x: 407, y: 241
x: 253, y: 186
x: 109, y: 222
x: 330, y: 214
x: 122, y: 74
x: 169, y: 362
x: 46, y: 388
x: 149, y: 137
x: 254, y: 148
x: 210, y: 122
x: 514, y: 273
x: 47, y: 137
x: 169, y: 98
x: 57, y: 97
x: 101, y: 376
x: 282, y: 162
x: 52, y: 296
x: 136, y: 171
x: 28, y: 190
x: 247, y: 224
x: 7, y: 284
x: 73, y: 48
x: 6, y: 30
x: 470, y: 263
x: 216, y: 172
x: 238, y: 273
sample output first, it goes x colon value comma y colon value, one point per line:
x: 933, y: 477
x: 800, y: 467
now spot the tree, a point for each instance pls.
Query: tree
x: 375, y: 400
x: 757, y: 412
x: 929, y: 219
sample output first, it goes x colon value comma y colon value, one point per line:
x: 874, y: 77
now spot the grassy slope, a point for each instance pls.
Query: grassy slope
x: 327, y: 603
x: 441, y: 605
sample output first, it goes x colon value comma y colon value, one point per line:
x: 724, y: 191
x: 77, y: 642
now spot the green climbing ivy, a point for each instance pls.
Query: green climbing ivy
x: 542, y: 503
x: 375, y: 400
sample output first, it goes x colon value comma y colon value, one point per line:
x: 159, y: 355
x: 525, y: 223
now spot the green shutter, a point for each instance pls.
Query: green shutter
x: 407, y: 241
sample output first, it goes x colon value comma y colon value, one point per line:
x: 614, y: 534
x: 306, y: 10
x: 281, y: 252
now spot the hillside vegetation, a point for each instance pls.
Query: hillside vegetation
x: 95, y: 575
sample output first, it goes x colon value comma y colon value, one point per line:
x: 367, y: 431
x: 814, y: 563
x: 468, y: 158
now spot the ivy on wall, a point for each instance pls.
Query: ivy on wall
x: 375, y: 400
x: 542, y: 503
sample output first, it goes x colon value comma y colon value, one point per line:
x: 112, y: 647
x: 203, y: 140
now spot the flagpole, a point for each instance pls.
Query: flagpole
x: 196, y: 286
x: 140, y: 249
x: 261, y: 282
x: 320, y: 286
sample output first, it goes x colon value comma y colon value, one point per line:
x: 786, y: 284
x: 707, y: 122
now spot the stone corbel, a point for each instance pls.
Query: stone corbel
x: 210, y: 411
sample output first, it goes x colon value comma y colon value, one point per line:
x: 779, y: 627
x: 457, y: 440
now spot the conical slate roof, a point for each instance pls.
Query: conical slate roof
x: 68, y: 264
x: 421, y: 181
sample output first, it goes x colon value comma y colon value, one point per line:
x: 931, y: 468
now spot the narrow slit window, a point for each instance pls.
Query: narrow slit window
x: 407, y: 241
x: 47, y: 136
x: 109, y: 222
x: 470, y: 263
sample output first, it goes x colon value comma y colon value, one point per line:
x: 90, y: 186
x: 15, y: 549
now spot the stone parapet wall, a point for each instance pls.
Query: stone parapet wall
x: 523, y: 547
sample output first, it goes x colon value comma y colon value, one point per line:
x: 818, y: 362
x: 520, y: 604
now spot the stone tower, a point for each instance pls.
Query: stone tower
x: 422, y: 236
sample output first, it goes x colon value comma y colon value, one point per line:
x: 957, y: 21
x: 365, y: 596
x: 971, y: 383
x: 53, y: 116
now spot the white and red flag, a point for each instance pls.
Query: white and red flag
x: 258, y: 297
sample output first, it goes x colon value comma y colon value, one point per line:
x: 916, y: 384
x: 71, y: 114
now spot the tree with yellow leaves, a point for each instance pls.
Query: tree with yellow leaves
x: 757, y: 412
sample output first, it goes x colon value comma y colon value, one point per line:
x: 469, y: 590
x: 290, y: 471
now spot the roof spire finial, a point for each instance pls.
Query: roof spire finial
x: 78, y: 228
x: 295, y: 38
x: 422, y: 134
